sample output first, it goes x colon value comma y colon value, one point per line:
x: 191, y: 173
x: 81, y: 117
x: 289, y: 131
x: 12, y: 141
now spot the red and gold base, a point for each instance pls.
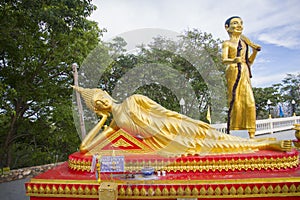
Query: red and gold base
x: 269, y: 180
x: 268, y: 174
x: 264, y: 160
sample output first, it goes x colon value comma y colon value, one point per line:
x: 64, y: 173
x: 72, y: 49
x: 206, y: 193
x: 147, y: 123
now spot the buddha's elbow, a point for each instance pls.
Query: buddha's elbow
x: 83, y: 149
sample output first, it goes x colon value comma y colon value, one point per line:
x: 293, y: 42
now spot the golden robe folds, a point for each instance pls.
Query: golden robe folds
x: 243, y: 114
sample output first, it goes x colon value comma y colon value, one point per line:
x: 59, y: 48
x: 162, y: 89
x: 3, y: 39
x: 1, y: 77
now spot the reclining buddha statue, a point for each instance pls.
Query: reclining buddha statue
x: 164, y: 130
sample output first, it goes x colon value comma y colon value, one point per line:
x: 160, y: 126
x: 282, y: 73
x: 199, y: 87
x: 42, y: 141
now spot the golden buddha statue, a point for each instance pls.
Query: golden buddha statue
x: 164, y: 130
x: 235, y: 54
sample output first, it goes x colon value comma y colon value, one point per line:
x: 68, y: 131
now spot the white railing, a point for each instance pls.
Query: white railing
x: 265, y: 126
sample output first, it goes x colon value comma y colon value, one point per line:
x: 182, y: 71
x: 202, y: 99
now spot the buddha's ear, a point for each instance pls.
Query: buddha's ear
x: 98, y: 103
x: 106, y: 103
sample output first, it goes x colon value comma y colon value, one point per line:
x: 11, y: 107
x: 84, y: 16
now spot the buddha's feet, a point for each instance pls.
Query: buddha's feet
x: 282, y: 145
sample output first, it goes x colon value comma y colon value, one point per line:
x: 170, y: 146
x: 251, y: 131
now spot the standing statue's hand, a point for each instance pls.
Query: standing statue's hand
x: 237, y: 60
x: 256, y: 47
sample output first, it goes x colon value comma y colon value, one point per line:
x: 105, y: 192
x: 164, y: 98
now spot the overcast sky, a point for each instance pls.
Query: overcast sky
x: 274, y: 24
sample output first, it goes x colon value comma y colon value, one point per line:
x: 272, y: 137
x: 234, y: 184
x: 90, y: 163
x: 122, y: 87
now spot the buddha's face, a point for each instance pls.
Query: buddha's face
x: 102, y: 102
x: 235, y: 26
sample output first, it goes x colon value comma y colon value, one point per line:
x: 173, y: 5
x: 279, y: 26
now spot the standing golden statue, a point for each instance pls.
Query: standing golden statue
x: 164, y: 130
x: 235, y: 54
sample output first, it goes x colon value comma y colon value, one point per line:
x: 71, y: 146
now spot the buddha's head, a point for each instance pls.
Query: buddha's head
x: 96, y: 99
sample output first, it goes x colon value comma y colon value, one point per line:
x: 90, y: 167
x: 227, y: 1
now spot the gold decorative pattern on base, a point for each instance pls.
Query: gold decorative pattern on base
x: 220, y: 190
x: 202, y: 165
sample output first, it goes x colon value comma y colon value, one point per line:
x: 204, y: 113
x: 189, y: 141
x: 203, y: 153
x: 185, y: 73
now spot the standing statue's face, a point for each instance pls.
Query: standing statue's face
x: 235, y: 26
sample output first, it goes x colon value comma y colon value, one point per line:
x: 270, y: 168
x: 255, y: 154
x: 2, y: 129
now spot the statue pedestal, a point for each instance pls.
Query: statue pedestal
x: 272, y: 183
x: 108, y: 191
x: 268, y: 174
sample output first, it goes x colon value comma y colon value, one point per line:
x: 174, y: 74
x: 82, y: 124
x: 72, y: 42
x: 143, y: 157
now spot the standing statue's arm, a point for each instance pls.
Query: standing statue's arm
x: 255, y: 48
x: 250, y: 43
x: 252, y: 56
x: 225, y: 58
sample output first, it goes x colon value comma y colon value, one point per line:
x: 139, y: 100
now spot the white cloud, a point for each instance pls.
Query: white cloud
x: 286, y: 36
x: 260, y: 63
x: 267, y: 80
x: 273, y: 22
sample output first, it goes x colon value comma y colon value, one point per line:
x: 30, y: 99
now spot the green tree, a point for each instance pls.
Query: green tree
x: 290, y: 89
x: 39, y: 40
x: 116, y: 47
x: 262, y: 95
x: 195, y: 57
x: 281, y: 93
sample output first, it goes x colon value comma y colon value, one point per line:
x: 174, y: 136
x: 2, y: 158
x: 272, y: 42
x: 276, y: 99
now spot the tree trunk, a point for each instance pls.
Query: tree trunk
x: 6, y: 157
x: 7, y: 151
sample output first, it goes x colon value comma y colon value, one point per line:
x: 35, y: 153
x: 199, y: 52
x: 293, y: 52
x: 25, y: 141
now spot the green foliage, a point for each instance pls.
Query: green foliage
x: 39, y: 40
x: 165, y: 66
x: 262, y: 95
x: 117, y: 47
x: 290, y: 89
x: 279, y: 94
x: 161, y: 94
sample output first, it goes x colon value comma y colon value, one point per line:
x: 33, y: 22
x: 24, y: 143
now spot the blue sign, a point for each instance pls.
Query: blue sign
x: 112, y: 164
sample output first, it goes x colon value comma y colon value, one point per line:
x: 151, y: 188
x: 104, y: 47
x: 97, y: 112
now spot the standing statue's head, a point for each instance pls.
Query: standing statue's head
x: 96, y: 99
x: 234, y: 25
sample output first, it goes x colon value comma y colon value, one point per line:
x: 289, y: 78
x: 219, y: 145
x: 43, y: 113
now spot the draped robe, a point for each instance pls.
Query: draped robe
x: 173, y: 133
x: 243, y: 113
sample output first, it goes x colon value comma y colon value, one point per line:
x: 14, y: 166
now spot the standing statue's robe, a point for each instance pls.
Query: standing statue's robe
x: 243, y: 113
